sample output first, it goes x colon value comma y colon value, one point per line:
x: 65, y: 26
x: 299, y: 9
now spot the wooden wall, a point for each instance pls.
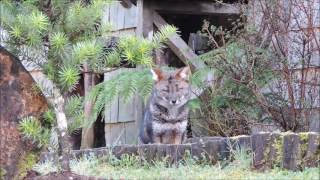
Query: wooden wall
x: 123, y: 20
x: 122, y: 120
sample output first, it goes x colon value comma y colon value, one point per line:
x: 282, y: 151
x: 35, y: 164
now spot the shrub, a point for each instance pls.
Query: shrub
x: 233, y: 99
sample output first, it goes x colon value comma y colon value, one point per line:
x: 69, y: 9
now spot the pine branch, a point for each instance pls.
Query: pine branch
x: 125, y: 85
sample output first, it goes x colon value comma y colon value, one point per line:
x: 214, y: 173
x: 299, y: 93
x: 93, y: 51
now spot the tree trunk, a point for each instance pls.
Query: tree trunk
x: 87, y: 140
x: 64, y: 145
x: 56, y: 99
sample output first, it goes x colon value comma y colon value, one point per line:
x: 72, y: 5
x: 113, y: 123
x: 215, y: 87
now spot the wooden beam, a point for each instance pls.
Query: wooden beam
x: 195, y: 7
x: 178, y: 46
x: 126, y: 3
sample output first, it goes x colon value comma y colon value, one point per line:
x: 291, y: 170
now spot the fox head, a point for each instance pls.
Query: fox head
x: 171, y: 89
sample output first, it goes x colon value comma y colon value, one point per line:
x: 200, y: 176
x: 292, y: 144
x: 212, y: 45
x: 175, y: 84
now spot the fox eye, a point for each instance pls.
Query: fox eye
x: 165, y: 98
x: 165, y: 90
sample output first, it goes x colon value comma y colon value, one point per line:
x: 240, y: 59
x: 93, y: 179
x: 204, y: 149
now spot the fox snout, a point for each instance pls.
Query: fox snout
x: 173, y: 101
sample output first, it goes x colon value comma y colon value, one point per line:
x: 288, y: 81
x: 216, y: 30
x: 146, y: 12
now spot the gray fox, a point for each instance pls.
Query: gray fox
x: 166, y: 115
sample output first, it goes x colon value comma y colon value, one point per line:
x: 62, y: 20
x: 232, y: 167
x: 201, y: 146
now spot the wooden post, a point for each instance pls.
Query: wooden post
x: 145, y: 19
x: 87, y: 140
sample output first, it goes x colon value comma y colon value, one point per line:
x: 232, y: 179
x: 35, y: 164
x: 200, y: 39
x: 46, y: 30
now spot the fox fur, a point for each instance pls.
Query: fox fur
x: 166, y: 114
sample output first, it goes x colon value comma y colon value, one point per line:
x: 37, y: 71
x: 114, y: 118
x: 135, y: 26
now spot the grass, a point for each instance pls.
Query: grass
x: 130, y: 167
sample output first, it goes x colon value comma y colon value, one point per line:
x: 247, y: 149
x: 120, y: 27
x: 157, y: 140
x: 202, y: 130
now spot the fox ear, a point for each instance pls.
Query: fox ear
x: 157, y: 74
x: 183, y: 73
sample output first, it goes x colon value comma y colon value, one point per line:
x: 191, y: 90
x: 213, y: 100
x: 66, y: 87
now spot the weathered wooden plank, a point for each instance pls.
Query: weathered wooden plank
x: 183, y: 150
x: 312, y: 159
x: 152, y: 151
x: 291, y: 151
x: 139, y: 30
x: 112, y: 111
x: 274, y: 151
x: 266, y: 147
x: 120, y: 17
x: 139, y: 112
x: 243, y: 141
x: 161, y: 152
x: 120, y: 150
x: 126, y: 114
x: 143, y: 151
x: 127, y: 110
x: 195, y: 7
x: 171, y: 152
x: 203, y: 139
x: 222, y: 145
x: 114, y: 133
x: 114, y: 16
x: 145, y: 22
x: 217, y: 150
x: 197, y: 150
x: 106, y: 15
x: 178, y: 46
x: 120, y: 111
x: 260, y: 146
x: 131, y: 135
x: 131, y: 18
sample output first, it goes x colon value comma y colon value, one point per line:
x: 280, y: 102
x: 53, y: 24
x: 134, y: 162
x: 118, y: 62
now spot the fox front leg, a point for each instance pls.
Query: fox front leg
x: 178, y: 139
x: 157, y: 139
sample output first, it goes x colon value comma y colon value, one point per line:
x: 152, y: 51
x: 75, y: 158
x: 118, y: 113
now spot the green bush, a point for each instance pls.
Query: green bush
x: 241, y: 69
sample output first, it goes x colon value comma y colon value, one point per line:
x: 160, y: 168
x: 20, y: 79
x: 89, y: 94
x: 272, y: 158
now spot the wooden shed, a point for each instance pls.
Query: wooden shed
x: 143, y: 18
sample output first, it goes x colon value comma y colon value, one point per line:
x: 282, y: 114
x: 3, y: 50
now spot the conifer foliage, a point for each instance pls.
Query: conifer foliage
x: 65, y: 34
x: 59, y: 37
